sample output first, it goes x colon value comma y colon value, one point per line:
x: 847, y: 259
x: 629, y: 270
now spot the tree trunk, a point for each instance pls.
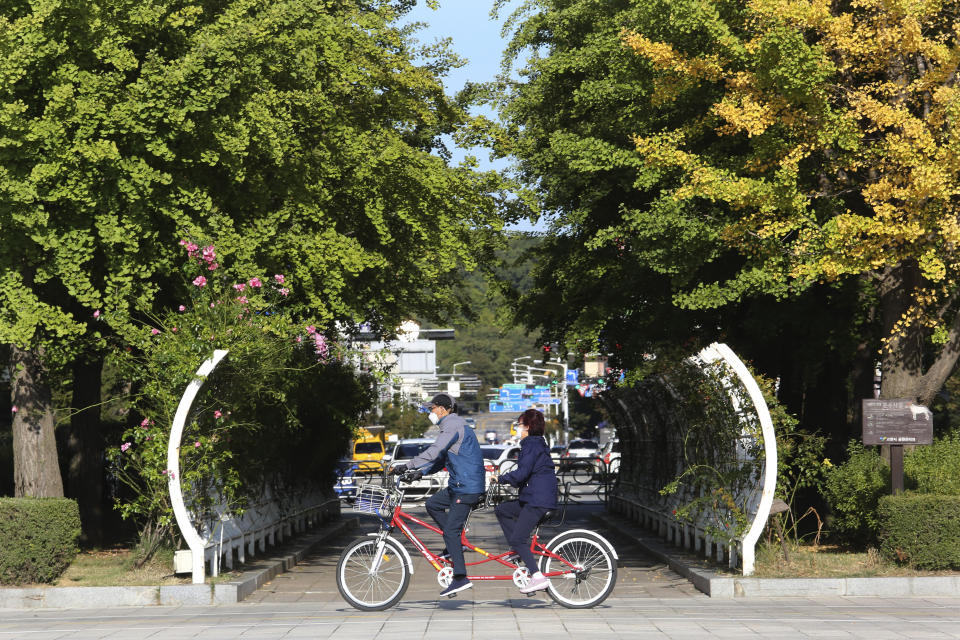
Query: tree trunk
x: 36, y: 470
x: 904, y: 375
x: 85, y: 449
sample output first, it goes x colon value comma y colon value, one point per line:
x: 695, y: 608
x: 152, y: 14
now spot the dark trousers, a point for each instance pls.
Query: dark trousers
x: 518, y: 522
x: 450, y: 510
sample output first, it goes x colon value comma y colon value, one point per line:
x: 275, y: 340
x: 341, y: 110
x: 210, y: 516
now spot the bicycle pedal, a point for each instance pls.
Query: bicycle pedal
x: 452, y: 595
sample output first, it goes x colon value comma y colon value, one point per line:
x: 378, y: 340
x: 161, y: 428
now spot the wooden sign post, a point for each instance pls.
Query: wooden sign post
x: 896, y: 423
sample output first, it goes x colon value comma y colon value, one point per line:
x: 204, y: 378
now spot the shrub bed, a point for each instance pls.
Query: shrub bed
x: 921, y: 530
x: 39, y: 538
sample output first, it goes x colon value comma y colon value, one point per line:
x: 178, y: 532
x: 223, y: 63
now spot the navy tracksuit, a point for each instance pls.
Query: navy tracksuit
x: 538, y: 494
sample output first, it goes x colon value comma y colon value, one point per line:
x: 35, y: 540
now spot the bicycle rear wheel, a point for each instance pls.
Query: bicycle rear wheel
x: 365, y: 588
x: 590, y: 569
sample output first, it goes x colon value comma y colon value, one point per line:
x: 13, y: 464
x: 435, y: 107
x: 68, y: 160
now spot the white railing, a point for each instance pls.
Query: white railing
x: 637, y: 494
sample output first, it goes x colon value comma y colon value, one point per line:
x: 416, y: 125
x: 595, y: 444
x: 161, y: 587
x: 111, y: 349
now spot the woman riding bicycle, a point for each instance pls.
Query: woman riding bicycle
x: 537, y: 481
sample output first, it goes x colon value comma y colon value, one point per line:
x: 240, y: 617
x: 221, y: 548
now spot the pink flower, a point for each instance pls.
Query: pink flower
x: 242, y: 300
x: 240, y: 287
x: 284, y: 291
x: 191, y: 248
x: 149, y: 438
x: 311, y: 330
x: 217, y: 414
x: 14, y: 409
x: 154, y: 331
x: 211, y: 305
x: 124, y: 446
x: 182, y: 308
x: 279, y: 278
x: 146, y: 421
x: 96, y: 314
x: 199, y: 281
x: 174, y: 329
x: 182, y: 242
x: 299, y: 339
x: 213, y: 266
x: 209, y: 254
x: 167, y: 472
x: 255, y: 283
x: 196, y: 445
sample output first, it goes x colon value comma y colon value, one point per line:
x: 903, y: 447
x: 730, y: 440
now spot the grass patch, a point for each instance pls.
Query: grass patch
x: 114, y: 568
x: 829, y: 561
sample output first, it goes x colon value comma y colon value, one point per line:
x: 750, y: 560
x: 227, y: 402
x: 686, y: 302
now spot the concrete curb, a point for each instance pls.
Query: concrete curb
x: 262, y: 570
x: 718, y: 585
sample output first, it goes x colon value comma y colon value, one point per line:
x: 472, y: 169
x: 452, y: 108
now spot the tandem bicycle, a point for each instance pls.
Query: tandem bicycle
x: 374, y: 571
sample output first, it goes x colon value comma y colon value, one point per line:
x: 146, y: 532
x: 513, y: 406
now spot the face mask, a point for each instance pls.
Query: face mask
x: 433, y: 418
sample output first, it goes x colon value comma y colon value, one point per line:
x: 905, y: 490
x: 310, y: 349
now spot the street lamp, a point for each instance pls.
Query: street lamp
x: 458, y: 363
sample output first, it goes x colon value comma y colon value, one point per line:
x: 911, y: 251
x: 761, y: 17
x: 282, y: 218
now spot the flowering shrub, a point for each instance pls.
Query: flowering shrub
x: 279, y: 408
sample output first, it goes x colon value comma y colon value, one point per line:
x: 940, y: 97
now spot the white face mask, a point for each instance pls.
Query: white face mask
x: 433, y: 418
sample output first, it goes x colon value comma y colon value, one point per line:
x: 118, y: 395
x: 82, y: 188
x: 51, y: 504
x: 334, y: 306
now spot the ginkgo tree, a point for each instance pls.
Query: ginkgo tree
x: 302, y: 137
x: 823, y: 139
x: 703, y: 155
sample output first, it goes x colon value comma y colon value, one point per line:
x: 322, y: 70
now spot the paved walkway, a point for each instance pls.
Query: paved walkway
x: 639, y: 576
x: 649, y: 602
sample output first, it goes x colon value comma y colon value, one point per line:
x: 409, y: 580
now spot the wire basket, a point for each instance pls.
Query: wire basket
x: 373, y: 499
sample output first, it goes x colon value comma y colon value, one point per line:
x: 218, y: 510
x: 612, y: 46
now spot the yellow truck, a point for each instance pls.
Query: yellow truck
x: 369, y: 448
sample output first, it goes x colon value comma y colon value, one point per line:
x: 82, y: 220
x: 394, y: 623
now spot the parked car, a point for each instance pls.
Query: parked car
x: 499, y: 458
x: 611, y: 456
x: 581, y: 454
x: 555, y: 453
x: 490, y: 436
x: 407, y: 449
x: 346, y: 485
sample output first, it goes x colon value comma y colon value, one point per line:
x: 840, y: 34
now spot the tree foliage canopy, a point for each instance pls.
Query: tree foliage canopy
x: 716, y: 152
x: 299, y: 135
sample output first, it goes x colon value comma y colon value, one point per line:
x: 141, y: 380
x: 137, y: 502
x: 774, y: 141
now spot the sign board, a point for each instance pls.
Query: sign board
x: 453, y: 388
x: 500, y: 406
x: 573, y: 377
x: 898, y: 421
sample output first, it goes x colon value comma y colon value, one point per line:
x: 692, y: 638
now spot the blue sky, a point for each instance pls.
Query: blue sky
x: 476, y: 37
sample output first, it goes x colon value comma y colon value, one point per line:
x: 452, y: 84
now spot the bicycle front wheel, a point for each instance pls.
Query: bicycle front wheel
x: 589, y: 569
x: 371, y: 583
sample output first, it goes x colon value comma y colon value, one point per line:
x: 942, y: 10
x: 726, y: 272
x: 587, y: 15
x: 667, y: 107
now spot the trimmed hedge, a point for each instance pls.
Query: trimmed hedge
x: 39, y: 538
x: 921, y: 530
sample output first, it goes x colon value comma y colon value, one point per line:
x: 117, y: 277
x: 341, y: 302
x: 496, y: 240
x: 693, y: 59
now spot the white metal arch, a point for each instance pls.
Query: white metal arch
x: 720, y: 351
x: 196, y: 543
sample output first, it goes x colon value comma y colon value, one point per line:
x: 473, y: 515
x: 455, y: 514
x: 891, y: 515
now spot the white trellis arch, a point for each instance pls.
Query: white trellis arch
x: 720, y: 351
x: 637, y: 494
x: 192, y: 537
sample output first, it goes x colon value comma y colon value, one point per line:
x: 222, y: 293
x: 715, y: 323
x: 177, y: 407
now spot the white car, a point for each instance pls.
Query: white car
x: 403, y: 453
x: 611, y: 456
x: 580, y: 454
x: 499, y: 458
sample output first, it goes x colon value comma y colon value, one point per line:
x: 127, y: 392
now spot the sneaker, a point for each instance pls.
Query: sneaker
x: 456, y: 586
x: 537, y: 582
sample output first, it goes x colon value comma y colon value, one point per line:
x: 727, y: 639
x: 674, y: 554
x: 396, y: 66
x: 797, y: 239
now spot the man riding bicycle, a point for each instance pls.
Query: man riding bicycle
x: 457, y: 448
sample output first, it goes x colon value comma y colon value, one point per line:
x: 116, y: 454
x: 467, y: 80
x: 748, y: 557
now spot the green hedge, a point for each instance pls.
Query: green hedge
x: 921, y: 530
x: 935, y: 468
x: 852, y: 490
x: 39, y: 538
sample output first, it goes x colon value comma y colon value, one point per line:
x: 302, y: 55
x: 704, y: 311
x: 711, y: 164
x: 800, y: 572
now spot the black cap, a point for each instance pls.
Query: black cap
x: 441, y: 400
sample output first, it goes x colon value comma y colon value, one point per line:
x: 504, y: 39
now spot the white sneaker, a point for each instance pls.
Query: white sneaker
x: 537, y: 583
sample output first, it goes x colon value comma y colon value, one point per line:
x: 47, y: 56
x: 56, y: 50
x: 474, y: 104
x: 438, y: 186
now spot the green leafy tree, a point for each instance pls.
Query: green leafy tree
x: 641, y: 261
x: 298, y: 135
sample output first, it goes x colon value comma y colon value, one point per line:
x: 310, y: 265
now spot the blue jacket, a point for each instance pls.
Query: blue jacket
x: 457, y: 448
x: 534, y: 474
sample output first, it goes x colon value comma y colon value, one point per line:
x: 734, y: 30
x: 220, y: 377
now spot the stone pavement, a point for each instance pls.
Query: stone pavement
x: 314, y: 580
x: 650, y: 601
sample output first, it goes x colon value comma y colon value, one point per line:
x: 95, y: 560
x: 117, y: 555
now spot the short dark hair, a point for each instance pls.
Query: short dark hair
x: 533, y: 421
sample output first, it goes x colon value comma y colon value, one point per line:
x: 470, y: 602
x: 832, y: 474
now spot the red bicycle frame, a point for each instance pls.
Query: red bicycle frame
x: 397, y: 522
